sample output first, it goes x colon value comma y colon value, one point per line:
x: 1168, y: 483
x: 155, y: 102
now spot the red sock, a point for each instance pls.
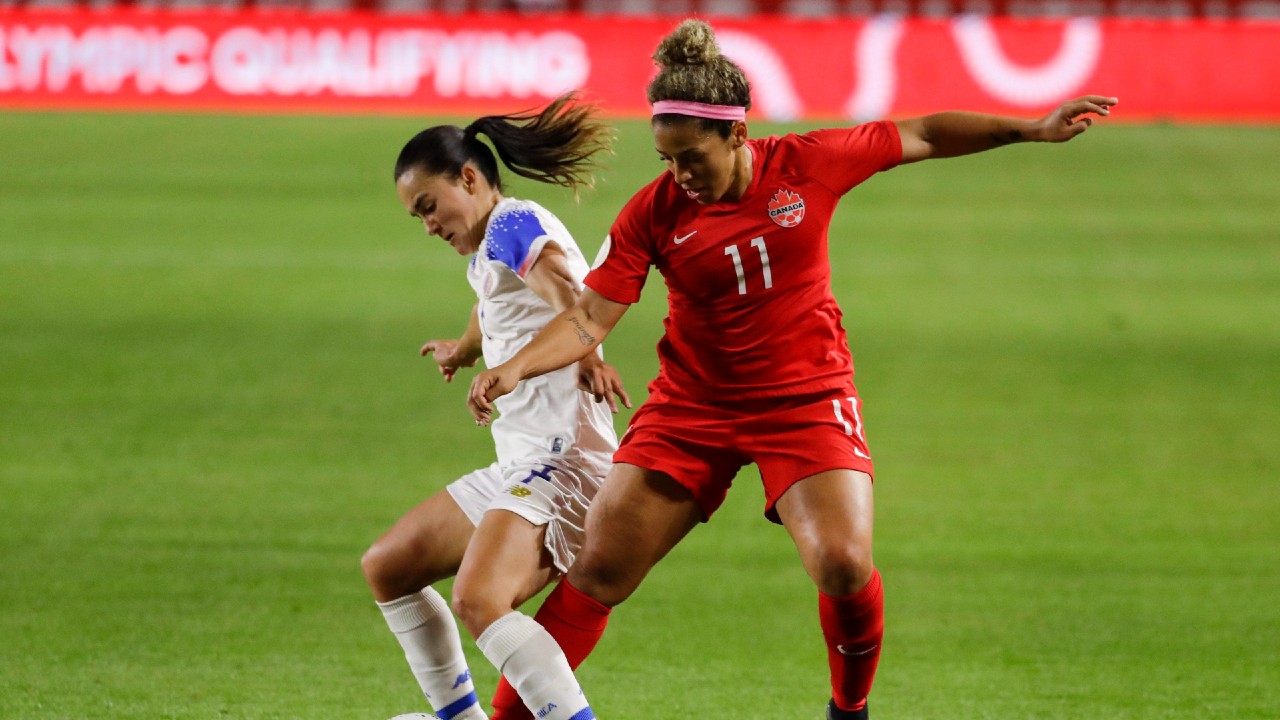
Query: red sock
x: 853, y: 627
x: 576, y: 621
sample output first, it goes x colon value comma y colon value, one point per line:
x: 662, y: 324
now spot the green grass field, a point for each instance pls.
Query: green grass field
x: 211, y: 403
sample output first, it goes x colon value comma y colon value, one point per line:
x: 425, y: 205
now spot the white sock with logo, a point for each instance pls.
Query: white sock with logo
x: 429, y: 635
x: 534, y: 664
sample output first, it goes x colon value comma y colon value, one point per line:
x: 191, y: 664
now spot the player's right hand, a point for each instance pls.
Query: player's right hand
x: 1073, y: 117
x: 448, y: 356
x: 485, y: 388
x: 601, y: 379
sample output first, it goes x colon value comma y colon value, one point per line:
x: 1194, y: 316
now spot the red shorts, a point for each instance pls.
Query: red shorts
x: 703, y: 445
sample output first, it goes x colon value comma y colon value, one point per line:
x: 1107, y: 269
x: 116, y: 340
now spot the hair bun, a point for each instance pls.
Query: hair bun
x: 692, y: 43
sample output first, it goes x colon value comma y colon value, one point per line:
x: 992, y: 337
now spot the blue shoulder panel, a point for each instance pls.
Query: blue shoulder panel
x: 511, y: 236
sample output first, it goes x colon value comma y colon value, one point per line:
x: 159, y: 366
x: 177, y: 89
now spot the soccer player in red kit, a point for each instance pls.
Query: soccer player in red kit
x: 755, y: 365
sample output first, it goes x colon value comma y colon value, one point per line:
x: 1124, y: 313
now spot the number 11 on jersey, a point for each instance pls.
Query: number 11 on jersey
x: 758, y: 244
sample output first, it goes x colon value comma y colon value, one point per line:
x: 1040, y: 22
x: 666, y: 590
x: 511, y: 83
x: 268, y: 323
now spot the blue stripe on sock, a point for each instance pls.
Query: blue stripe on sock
x: 584, y: 714
x: 448, y: 711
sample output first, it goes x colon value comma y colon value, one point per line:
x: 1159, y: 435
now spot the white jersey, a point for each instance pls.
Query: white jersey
x: 545, y: 419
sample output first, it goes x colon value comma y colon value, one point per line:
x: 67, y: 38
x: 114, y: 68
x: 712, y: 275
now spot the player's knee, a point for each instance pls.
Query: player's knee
x: 475, y: 608
x: 375, y: 563
x: 606, y: 583
x: 384, y: 569
x: 843, y: 569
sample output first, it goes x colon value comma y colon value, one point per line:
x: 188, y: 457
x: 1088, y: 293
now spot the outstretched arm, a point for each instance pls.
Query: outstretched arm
x: 568, y: 338
x: 950, y: 134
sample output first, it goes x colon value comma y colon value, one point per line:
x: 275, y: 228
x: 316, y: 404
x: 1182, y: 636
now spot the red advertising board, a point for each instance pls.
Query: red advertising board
x: 852, y: 68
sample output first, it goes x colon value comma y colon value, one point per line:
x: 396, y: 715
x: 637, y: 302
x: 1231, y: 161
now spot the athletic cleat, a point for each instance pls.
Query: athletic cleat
x: 835, y: 713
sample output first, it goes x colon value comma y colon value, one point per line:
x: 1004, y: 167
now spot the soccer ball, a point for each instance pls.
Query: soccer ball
x: 416, y: 716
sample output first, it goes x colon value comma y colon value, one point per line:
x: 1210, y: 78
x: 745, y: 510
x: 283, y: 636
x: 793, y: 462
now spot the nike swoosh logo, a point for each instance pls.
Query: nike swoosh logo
x: 855, y: 653
x: 686, y: 237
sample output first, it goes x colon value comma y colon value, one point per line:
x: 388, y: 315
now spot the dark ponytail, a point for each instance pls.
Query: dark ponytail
x: 555, y: 145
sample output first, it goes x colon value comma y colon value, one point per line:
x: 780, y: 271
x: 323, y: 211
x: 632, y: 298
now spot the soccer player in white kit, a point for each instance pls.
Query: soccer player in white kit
x: 509, y: 529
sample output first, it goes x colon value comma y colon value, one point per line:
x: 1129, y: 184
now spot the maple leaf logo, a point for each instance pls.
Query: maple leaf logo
x: 786, y: 208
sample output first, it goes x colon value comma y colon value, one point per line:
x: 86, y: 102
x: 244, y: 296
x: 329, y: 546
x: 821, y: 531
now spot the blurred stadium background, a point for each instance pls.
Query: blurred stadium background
x: 211, y: 399
x: 1161, y: 9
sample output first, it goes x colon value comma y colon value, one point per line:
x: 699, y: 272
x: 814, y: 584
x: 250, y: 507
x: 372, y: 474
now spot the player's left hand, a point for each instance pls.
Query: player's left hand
x: 449, y: 356
x: 1073, y: 117
x: 602, y: 380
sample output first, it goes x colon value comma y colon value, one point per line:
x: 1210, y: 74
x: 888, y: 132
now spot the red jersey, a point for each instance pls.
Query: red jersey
x: 749, y: 283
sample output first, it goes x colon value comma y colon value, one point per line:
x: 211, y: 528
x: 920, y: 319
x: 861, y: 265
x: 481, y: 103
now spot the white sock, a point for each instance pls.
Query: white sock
x: 536, y: 667
x: 427, y: 632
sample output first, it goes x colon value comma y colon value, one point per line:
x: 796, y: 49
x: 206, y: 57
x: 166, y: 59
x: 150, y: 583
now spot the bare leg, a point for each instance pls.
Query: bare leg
x: 505, y: 565
x: 516, y: 566
x: 634, y: 520
x: 829, y: 516
x: 424, y: 546
x: 637, y: 517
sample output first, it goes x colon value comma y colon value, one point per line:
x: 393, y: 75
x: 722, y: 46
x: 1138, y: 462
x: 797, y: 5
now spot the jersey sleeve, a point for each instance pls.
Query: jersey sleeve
x: 625, y: 257
x: 515, y: 238
x: 845, y: 157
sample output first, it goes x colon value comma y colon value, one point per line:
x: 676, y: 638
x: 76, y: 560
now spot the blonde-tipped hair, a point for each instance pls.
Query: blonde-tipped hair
x: 692, y: 68
x: 558, y: 144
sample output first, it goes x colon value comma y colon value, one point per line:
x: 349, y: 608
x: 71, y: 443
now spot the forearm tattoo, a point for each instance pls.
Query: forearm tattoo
x: 584, y: 337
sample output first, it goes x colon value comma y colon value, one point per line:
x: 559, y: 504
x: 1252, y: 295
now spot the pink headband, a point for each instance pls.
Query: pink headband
x: 702, y: 110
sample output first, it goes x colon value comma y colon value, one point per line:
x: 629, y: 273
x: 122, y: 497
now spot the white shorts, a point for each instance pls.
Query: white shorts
x: 556, y: 496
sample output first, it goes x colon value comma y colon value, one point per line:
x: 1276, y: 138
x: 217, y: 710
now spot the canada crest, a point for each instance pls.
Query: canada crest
x: 786, y: 208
